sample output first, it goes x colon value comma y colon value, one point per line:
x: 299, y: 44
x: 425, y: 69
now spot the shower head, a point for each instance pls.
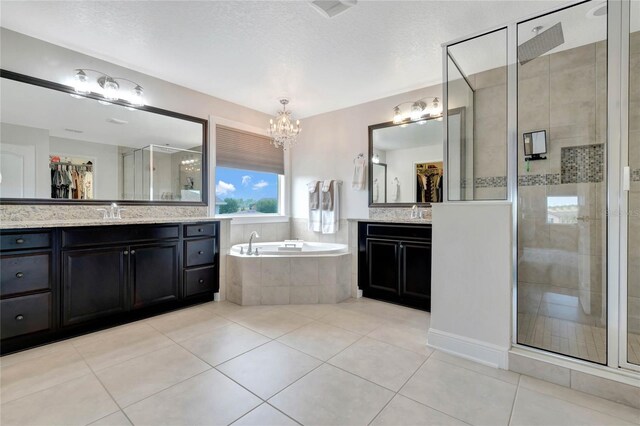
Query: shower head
x: 541, y: 43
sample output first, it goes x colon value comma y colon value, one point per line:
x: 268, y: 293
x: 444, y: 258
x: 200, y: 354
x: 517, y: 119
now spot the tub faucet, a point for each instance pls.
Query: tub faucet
x: 253, y: 234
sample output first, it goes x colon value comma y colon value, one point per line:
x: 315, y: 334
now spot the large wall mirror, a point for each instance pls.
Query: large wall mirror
x: 58, y: 147
x: 406, y: 163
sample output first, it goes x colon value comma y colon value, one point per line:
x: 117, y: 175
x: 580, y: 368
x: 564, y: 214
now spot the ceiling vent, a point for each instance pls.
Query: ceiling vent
x: 329, y: 8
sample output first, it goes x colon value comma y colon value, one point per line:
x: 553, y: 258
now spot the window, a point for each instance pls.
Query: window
x: 249, y: 174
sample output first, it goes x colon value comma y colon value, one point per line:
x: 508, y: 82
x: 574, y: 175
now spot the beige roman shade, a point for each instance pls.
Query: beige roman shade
x: 244, y: 150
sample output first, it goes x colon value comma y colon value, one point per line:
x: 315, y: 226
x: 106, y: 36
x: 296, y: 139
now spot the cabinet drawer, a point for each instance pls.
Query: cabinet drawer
x: 22, y: 241
x: 117, y: 234
x: 200, y: 230
x: 199, y: 252
x: 418, y: 232
x: 22, y: 274
x: 199, y: 280
x: 24, y: 315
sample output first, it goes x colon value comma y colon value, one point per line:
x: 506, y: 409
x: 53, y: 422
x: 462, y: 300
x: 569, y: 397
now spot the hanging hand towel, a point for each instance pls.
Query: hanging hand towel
x: 315, y: 218
x: 376, y: 191
x: 330, y: 214
x: 359, y: 168
x: 395, y: 190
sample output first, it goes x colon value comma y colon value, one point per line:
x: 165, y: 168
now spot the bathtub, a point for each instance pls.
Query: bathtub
x: 319, y: 273
x: 278, y: 249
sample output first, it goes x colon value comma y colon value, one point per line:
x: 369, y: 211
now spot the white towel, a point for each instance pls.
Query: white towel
x: 331, y: 215
x: 359, y: 177
x: 395, y: 190
x: 376, y: 192
x: 315, y: 218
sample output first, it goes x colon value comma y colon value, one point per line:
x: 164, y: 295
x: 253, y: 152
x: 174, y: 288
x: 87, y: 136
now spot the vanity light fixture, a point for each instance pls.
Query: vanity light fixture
x: 108, y: 87
x: 419, y: 110
x: 282, y: 129
x: 375, y: 159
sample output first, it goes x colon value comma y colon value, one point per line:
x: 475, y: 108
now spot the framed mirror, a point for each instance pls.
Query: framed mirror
x: 535, y: 144
x: 406, y: 163
x: 59, y: 147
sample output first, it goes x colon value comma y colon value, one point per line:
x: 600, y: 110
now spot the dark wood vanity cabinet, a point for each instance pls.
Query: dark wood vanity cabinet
x: 394, y: 263
x: 66, y: 281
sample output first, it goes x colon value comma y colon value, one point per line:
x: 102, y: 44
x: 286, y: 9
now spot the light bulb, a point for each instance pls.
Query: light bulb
x: 417, y: 110
x: 110, y: 89
x: 397, y: 117
x: 81, y: 84
x: 137, y: 98
x: 375, y: 159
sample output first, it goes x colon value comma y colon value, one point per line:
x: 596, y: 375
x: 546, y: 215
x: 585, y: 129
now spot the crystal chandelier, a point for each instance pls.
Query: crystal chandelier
x: 281, y: 128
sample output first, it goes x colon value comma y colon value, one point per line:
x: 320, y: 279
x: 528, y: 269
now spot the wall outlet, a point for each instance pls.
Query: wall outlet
x: 216, y: 297
x: 359, y: 293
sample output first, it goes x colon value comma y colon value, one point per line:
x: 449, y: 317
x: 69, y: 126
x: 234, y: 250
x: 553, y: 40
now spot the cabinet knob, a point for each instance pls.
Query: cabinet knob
x: 200, y: 252
x: 19, y: 317
x: 19, y: 275
x: 199, y: 229
x: 201, y: 281
x: 19, y: 240
x: 133, y: 252
x: 125, y: 252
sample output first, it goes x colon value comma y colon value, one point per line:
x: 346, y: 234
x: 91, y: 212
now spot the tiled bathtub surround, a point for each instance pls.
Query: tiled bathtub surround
x: 288, y: 280
x: 81, y: 212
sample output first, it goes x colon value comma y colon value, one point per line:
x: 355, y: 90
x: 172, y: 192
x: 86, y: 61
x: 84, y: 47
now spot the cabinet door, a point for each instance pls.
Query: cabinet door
x: 382, y: 262
x: 415, y: 273
x: 154, y: 274
x: 93, y: 284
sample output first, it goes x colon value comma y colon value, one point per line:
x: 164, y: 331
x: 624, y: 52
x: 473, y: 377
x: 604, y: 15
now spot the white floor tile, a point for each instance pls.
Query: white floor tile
x: 402, y: 411
x: 382, y: 363
x: 187, y: 323
x: 209, y: 398
x: 265, y: 415
x: 145, y: 375
x: 224, y: 343
x: 269, y: 368
x: 116, y: 419
x: 273, y: 323
x: 496, y: 373
x: 355, y: 322
x: 461, y: 393
x: 319, y: 340
x: 330, y: 396
x: 77, y: 402
x: 404, y: 336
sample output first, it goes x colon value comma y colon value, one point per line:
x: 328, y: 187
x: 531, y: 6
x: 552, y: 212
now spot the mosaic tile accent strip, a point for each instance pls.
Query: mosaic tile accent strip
x: 491, y: 182
x: 400, y: 214
x: 582, y: 164
x: 635, y: 175
x: 539, y: 179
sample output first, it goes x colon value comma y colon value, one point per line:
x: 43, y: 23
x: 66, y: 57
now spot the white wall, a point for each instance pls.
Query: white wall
x: 471, y: 281
x: 39, y: 138
x: 104, y: 157
x: 401, y: 164
x: 328, y: 144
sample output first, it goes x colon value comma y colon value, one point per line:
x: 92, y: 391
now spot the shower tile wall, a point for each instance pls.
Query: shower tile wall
x: 561, y: 274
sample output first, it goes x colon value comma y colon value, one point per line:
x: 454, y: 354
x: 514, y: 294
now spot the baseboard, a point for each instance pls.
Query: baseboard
x: 468, y: 348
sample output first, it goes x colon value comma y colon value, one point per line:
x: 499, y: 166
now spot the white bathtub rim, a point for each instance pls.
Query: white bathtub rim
x: 339, y: 250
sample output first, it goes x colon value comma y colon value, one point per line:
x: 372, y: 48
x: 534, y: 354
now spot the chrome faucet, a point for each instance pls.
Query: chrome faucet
x: 253, y: 234
x: 113, y: 212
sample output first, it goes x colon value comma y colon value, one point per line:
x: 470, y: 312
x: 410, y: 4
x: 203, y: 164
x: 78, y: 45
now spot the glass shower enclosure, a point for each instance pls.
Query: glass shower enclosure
x: 157, y: 172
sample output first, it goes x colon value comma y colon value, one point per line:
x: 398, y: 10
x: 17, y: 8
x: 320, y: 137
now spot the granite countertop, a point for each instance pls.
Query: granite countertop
x: 97, y: 222
x: 394, y: 220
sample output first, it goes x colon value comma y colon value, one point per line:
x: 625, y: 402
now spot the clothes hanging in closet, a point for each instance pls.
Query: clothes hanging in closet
x: 429, y: 185
x: 71, y: 181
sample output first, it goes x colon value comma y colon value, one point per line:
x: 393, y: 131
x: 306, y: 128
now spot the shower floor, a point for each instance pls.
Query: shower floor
x: 570, y: 338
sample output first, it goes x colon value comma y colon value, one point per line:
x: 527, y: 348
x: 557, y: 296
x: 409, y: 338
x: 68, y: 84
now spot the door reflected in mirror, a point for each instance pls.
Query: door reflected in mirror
x: 55, y: 147
x: 406, y: 163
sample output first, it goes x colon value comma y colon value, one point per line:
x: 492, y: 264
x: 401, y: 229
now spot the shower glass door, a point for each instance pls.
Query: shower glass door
x: 633, y: 200
x: 562, y: 188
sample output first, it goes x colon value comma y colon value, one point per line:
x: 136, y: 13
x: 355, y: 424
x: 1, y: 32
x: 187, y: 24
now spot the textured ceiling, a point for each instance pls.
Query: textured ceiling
x: 253, y: 52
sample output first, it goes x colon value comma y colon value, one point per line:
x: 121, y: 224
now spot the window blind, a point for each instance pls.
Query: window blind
x: 244, y: 150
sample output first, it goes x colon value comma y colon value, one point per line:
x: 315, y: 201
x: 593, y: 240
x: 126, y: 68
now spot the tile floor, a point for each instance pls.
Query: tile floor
x: 359, y: 362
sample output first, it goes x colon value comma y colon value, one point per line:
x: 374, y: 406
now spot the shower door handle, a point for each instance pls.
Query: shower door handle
x: 626, y: 178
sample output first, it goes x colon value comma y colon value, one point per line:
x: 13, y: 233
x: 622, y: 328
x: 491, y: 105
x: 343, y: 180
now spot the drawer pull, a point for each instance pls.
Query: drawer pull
x: 199, y: 229
x: 20, y: 241
x: 200, y: 252
x: 19, y: 275
x: 133, y: 252
x: 19, y: 317
x: 201, y: 281
x: 125, y: 252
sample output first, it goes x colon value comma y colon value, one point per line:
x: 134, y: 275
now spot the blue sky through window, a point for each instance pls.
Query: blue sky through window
x: 245, y: 184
